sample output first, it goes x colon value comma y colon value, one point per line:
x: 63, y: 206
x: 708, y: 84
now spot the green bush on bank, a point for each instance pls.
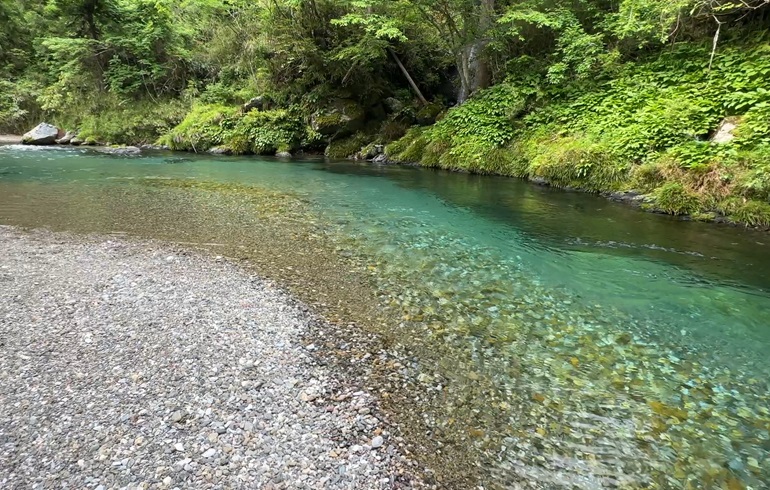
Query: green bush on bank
x: 259, y: 132
x: 203, y: 127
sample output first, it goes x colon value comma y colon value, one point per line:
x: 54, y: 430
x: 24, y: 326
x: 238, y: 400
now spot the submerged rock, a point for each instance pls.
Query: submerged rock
x: 153, y: 147
x: 122, y: 150
x: 218, y: 150
x: 42, y: 134
x: 381, y: 159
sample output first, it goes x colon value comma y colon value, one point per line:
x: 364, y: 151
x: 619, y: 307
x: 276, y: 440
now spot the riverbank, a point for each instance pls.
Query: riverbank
x: 151, y: 366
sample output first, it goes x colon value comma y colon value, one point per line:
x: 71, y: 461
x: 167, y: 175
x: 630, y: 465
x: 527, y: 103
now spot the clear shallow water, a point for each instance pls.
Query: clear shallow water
x: 628, y: 350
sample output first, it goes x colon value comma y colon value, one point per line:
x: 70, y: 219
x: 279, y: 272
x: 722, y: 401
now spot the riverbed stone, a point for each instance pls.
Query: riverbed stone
x: 65, y: 140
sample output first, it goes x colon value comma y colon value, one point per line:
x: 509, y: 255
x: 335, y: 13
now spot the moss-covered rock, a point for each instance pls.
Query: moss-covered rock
x: 339, y: 118
x: 428, y: 114
x: 345, y: 148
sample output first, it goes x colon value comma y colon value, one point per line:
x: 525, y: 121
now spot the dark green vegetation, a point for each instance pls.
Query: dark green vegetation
x: 601, y: 96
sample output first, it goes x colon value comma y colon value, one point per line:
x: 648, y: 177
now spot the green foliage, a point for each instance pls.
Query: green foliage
x: 204, y: 127
x: 647, y: 176
x: 396, y: 148
x: 590, y: 94
x: 391, y: 130
x: 579, y: 163
x: 489, y: 116
x: 413, y: 151
x: 755, y: 183
x: 18, y: 106
x: 755, y: 126
x: 126, y: 124
x: 674, y: 198
x: 265, y: 132
x: 260, y: 132
x: 749, y: 213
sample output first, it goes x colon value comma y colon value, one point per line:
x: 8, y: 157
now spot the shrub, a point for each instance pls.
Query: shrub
x: 755, y: 183
x: 204, y: 127
x: 265, y: 132
x: 579, y: 162
x: 747, y: 212
x: 647, y: 176
x: 674, y: 198
x: 413, y: 153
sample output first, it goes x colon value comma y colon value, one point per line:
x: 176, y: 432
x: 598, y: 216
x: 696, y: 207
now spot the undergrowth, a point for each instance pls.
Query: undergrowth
x: 259, y: 132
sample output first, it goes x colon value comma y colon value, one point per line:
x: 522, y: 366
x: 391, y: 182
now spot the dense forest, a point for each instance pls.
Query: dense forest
x: 666, y: 101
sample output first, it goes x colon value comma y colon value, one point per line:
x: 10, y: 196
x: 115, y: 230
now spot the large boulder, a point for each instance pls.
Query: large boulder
x: 42, y: 134
x: 341, y: 117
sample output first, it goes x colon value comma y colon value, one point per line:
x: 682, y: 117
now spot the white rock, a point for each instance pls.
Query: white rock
x: 42, y: 134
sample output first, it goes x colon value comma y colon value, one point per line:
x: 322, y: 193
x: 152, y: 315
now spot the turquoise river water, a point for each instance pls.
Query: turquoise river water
x: 632, y: 349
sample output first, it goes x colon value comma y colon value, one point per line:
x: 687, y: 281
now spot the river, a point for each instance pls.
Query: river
x: 597, y: 346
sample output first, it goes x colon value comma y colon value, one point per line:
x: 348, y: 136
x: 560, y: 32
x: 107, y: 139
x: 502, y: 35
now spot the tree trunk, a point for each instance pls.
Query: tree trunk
x: 483, y: 70
x: 408, y: 77
x: 473, y: 67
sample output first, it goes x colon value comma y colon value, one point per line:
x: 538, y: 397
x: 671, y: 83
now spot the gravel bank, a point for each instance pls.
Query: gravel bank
x: 9, y: 139
x: 127, y: 364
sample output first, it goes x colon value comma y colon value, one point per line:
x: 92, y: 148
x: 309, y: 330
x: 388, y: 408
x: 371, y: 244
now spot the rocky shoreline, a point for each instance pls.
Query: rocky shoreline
x: 134, y: 364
